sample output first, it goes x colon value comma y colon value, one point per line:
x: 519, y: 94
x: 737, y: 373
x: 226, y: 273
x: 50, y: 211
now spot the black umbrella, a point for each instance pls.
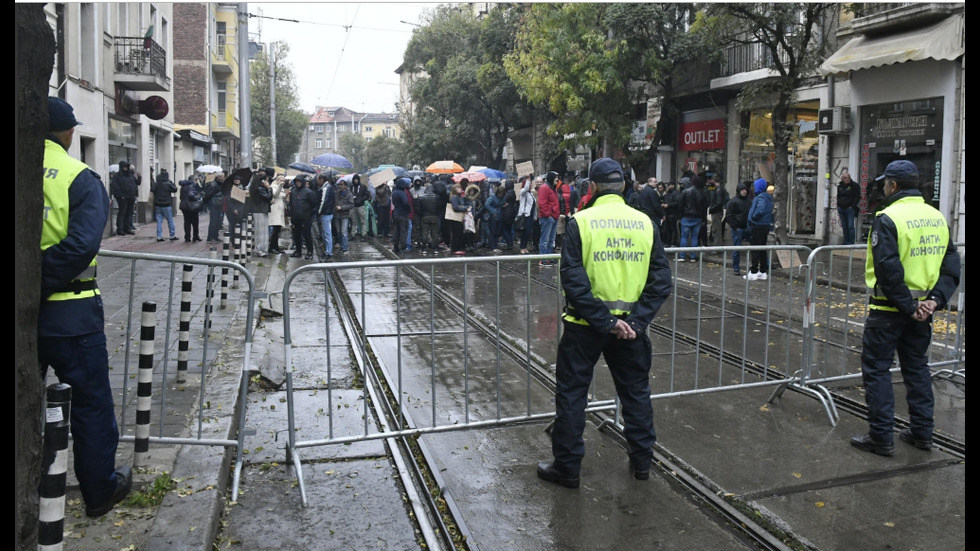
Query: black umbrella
x: 303, y: 167
x: 330, y: 173
x: 411, y: 174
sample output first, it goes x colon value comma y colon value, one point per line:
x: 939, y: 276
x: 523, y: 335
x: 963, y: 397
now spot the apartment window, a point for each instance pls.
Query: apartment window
x: 369, y: 138
x: 326, y: 144
x: 318, y: 143
x: 319, y: 129
x: 368, y: 129
x: 222, y: 95
x: 341, y: 128
x: 123, y: 19
x: 164, y: 33
x: 312, y: 128
x: 389, y: 132
x: 88, y: 43
x: 221, y: 30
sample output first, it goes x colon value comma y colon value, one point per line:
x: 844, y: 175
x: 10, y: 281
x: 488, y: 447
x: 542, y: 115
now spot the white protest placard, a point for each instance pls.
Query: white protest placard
x: 525, y: 169
x: 238, y: 194
x: 381, y: 177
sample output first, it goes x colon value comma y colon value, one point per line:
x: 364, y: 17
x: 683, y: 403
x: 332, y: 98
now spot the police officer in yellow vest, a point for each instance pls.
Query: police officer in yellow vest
x: 614, y: 276
x: 912, y: 269
x: 71, y: 323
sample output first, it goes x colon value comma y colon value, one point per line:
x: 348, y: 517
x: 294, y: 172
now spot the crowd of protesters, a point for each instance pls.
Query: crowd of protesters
x: 443, y: 213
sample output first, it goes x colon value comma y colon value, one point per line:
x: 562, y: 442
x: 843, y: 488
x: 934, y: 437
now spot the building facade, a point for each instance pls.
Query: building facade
x: 207, y: 93
x: 114, y: 65
x: 328, y: 125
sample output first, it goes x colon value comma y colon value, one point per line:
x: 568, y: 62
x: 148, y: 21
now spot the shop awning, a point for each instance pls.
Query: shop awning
x: 940, y: 41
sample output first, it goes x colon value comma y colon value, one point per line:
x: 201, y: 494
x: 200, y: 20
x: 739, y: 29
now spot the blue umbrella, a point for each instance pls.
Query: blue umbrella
x: 331, y: 160
x: 493, y: 173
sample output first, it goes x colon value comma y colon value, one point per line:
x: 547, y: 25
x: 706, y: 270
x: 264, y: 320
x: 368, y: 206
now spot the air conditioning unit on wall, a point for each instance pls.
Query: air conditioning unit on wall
x: 836, y: 120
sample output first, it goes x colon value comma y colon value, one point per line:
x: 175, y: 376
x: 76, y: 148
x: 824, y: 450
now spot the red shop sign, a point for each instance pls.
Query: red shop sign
x: 702, y: 135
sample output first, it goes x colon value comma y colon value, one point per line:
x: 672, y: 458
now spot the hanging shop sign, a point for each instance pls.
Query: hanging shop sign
x: 700, y: 135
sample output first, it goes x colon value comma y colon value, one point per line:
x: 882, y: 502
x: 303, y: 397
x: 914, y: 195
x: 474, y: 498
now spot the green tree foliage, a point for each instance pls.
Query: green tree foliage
x: 796, y: 38
x: 353, y: 147
x: 384, y: 151
x: 290, y: 120
x: 464, y: 103
x: 593, y: 65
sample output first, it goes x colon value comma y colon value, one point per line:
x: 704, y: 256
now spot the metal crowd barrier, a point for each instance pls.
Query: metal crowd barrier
x: 837, y: 303
x: 717, y: 332
x: 155, y: 288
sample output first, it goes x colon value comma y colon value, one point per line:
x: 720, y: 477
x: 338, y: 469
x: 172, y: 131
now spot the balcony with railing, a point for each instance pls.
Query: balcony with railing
x: 746, y: 58
x: 141, y: 64
x: 223, y: 58
x: 224, y: 123
x: 884, y: 18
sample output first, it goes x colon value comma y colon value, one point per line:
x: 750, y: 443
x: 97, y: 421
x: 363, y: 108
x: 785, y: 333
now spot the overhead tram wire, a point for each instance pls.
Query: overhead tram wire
x: 343, y: 49
x: 345, y: 27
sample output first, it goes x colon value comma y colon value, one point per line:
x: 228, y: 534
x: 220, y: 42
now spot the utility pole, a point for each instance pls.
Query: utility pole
x: 272, y: 100
x: 244, y: 109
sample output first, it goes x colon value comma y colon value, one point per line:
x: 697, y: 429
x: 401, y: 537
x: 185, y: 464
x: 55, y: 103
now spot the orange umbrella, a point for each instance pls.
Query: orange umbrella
x: 444, y: 167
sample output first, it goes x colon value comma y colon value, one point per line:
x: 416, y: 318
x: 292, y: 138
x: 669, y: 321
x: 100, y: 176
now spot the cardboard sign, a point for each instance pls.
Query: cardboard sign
x: 525, y: 169
x: 238, y: 194
x: 381, y: 177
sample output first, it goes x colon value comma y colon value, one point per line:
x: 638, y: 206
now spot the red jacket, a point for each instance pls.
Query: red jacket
x: 547, y: 202
x: 566, y: 194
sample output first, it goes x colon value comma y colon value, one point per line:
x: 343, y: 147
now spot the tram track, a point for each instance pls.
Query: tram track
x: 440, y: 502
x: 735, y: 515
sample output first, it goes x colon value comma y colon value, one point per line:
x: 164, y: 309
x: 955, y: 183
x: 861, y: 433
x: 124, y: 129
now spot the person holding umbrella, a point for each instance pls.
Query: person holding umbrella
x: 382, y: 208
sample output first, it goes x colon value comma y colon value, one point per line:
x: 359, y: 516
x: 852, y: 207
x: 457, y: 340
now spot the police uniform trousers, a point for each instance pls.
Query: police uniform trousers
x: 884, y: 334
x: 83, y: 363
x: 629, y: 365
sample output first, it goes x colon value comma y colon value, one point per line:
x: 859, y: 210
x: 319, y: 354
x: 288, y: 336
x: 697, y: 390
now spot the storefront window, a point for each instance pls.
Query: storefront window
x: 122, y: 141
x: 758, y: 160
x: 701, y: 144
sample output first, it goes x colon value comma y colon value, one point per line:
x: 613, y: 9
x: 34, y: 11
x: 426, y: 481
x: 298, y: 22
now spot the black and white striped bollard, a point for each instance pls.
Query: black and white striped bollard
x: 184, y: 329
x: 144, y: 386
x: 226, y: 256
x: 209, y: 292
x: 54, y: 468
x: 237, y: 251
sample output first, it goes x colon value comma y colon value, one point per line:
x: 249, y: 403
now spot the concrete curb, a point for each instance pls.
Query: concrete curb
x: 189, y: 517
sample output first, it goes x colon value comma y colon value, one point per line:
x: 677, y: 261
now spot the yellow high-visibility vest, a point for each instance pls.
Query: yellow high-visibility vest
x: 60, y: 170
x: 923, y: 235
x: 616, y: 244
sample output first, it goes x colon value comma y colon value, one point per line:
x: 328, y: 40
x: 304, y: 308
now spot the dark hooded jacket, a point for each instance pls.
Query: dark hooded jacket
x: 258, y: 203
x: 189, y: 190
x: 360, y: 193
x: 124, y: 183
x: 399, y: 198
x: 163, y: 190
x: 429, y: 203
x: 694, y: 199
x: 737, y: 210
x: 303, y: 202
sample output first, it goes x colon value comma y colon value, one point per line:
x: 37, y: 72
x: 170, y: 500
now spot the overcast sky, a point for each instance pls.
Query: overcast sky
x: 343, y: 54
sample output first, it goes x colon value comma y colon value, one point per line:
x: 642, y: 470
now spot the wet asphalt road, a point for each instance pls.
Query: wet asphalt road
x: 783, y: 459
